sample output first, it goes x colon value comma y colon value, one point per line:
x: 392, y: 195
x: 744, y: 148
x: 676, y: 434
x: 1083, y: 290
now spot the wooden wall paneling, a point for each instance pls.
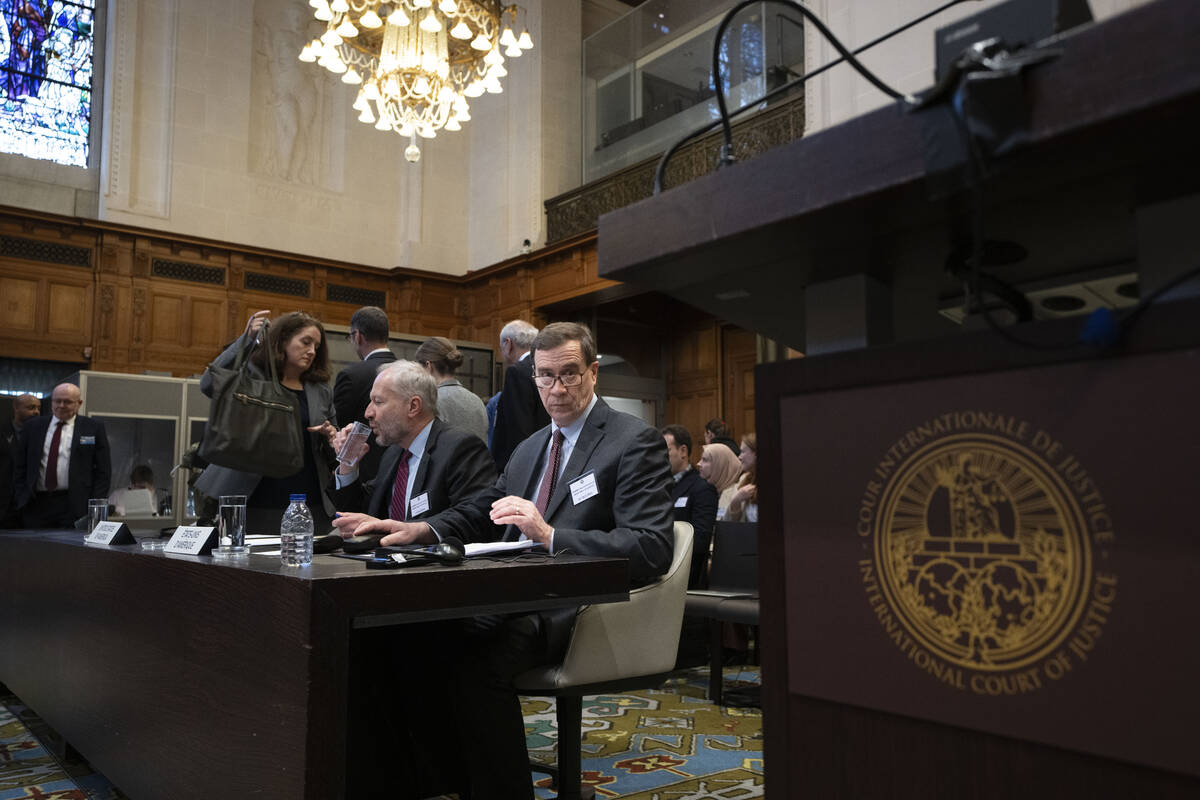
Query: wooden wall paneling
x: 19, y: 317
x: 739, y: 356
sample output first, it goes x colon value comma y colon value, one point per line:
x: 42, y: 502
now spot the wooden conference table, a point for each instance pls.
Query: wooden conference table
x: 181, y: 677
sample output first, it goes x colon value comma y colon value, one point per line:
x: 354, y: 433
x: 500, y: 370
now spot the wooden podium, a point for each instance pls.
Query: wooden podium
x: 977, y: 558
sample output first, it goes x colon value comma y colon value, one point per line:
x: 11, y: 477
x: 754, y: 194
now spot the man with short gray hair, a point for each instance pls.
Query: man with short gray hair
x: 519, y: 411
x: 428, y: 465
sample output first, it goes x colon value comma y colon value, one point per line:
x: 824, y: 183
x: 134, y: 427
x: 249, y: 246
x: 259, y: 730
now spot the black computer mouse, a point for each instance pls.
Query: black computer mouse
x: 327, y: 543
x: 362, y: 544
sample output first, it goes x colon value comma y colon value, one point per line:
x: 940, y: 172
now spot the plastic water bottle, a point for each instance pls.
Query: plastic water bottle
x: 296, y: 533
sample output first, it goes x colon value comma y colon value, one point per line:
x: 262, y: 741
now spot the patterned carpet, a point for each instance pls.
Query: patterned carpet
x: 666, y: 744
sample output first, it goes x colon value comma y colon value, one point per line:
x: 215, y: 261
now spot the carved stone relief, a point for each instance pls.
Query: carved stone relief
x: 291, y: 124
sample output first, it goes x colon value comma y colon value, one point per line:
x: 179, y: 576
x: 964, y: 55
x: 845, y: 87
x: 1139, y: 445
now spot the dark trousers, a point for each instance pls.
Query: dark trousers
x: 436, y: 711
x: 48, y: 510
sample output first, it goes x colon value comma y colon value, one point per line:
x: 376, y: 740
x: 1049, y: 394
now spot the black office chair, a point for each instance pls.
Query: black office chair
x: 732, y: 595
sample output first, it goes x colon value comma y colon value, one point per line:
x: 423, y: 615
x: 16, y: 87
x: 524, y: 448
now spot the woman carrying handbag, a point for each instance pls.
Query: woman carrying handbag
x: 300, y: 358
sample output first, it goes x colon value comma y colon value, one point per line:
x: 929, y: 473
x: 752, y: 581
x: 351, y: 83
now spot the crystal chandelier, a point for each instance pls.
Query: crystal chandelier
x: 416, y: 62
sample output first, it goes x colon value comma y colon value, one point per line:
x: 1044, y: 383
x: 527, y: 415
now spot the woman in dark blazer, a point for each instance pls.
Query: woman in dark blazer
x: 297, y: 343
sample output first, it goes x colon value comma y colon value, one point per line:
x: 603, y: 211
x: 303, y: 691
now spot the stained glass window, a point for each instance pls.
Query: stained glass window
x: 46, y: 79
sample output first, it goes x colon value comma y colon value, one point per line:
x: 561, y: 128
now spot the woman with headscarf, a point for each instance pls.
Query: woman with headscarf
x: 720, y: 467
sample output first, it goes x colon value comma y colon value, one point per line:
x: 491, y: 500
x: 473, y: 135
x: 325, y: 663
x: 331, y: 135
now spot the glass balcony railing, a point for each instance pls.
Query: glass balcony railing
x: 648, y: 75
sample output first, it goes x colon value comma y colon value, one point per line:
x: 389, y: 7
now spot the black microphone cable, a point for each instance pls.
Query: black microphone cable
x: 847, y: 56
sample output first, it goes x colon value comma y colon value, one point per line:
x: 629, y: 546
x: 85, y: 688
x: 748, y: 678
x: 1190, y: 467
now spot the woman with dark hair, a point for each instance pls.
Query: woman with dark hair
x: 456, y: 404
x: 296, y: 342
x: 717, y: 432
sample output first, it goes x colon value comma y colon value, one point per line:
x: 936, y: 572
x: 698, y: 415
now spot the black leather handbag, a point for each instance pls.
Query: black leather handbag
x: 253, y: 421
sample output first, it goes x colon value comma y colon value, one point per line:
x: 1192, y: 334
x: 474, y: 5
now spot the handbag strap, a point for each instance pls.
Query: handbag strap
x: 243, y: 356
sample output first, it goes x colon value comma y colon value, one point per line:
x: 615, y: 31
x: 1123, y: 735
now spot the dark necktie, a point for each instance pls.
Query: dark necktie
x: 551, y: 477
x: 399, y: 508
x: 52, y: 458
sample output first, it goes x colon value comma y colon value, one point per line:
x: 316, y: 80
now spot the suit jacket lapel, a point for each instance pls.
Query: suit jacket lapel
x: 423, y: 467
x: 589, y: 437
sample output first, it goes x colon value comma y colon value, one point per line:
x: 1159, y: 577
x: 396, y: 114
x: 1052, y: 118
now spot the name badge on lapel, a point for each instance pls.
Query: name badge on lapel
x: 583, y: 487
x: 418, y: 505
x: 87, y: 439
x: 681, y: 502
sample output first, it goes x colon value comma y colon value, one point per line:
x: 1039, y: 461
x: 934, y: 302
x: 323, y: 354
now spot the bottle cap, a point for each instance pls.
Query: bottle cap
x: 297, y: 498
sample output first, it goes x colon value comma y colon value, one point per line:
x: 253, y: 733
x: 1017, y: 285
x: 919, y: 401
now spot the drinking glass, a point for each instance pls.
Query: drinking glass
x: 348, y: 454
x: 97, y: 512
x: 231, y: 526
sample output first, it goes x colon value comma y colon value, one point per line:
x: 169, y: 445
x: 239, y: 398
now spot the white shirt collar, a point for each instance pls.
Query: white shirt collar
x: 417, y: 448
x: 572, y: 431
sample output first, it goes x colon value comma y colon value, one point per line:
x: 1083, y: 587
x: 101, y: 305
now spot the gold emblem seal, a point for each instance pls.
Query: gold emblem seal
x: 981, y: 564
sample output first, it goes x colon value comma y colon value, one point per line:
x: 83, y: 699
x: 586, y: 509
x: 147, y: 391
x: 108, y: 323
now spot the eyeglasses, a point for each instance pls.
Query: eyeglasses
x: 350, y: 336
x: 567, y: 379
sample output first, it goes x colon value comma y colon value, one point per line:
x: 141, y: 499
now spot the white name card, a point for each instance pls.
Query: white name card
x: 110, y: 533
x: 191, y: 540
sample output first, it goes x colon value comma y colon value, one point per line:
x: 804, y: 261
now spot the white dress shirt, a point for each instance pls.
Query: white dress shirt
x: 64, y: 453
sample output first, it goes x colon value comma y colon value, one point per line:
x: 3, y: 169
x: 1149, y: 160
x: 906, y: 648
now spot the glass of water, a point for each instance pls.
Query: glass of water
x: 349, y: 454
x: 231, y: 527
x: 97, y: 512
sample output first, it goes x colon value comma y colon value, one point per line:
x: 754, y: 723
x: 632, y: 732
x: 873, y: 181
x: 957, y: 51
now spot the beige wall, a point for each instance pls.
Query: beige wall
x: 213, y: 128
x: 905, y: 62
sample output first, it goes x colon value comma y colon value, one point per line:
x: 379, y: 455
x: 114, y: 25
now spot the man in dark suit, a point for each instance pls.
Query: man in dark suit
x: 428, y: 466
x: 593, y: 482
x: 352, y: 388
x: 694, y: 498
x: 519, y: 411
x: 25, y: 407
x: 61, y: 462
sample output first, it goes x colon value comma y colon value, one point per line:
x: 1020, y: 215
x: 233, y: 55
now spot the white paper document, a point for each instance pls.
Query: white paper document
x: 487, y: 548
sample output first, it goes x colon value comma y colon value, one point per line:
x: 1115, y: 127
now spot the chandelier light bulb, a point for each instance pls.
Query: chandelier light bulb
x: 416, y: 82
x: 430, y: 23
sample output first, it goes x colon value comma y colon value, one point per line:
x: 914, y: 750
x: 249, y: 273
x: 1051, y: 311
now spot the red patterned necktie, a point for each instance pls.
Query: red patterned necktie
x: 52, y: 458
x: 399, y: 508
x: 551, y: 477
